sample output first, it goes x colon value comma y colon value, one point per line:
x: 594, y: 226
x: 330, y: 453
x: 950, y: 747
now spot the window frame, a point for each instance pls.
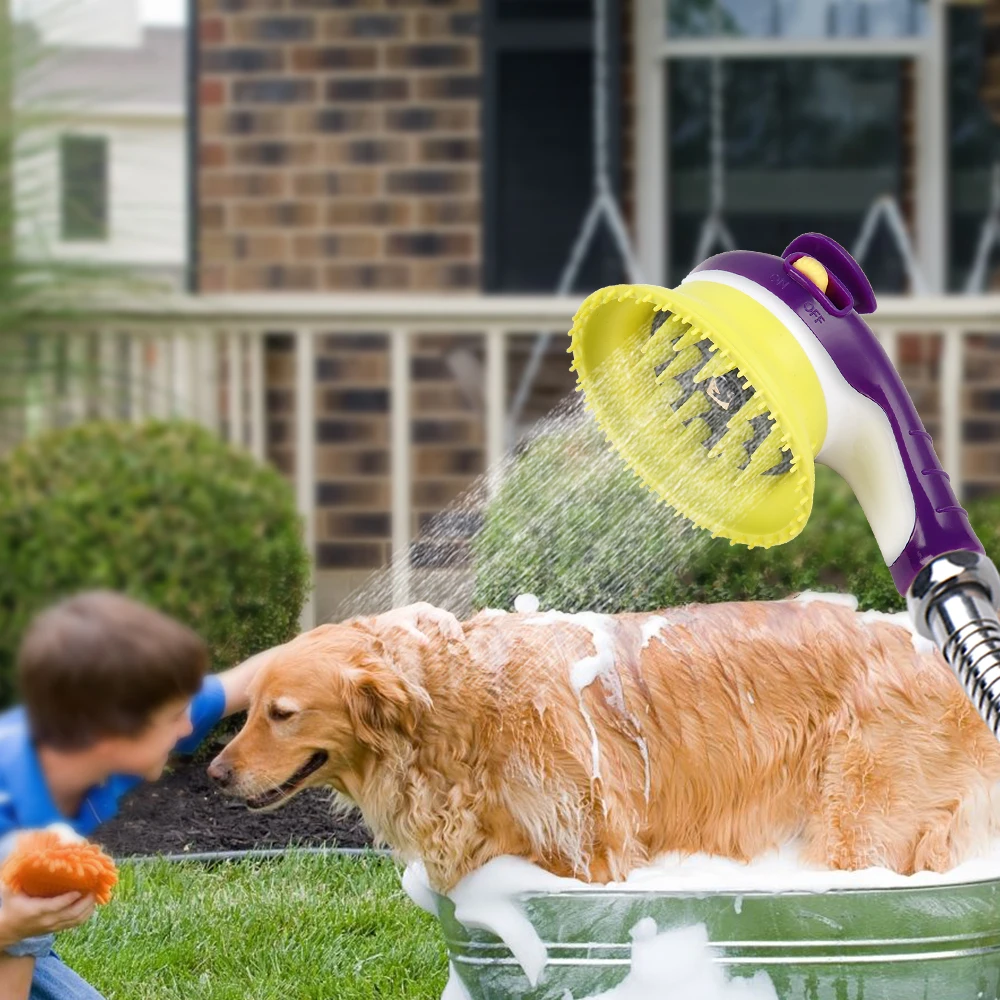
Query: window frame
x: 655, y: 48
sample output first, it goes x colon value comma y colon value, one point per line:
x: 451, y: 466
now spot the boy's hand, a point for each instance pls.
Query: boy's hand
x: 237, y: 680
x: 29, y: 916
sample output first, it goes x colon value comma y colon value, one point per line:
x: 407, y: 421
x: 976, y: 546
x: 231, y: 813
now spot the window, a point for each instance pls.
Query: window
x: 809, y: 145
x: 763, y: 119
x: 798, y: 18
x: 84, y: 187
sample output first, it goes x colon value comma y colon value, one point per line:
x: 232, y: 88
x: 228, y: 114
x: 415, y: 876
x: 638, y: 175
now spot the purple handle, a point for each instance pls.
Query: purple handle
x: 941, y: 523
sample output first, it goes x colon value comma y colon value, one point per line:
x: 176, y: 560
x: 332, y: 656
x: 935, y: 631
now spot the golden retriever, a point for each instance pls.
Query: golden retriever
x: 590, y: 744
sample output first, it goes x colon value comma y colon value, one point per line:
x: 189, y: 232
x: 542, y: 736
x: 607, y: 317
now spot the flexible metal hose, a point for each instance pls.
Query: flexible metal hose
x: 967, y: 631
x: 953, y: 601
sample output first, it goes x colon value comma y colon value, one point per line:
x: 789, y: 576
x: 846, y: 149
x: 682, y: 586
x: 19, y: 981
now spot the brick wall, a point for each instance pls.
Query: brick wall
x: 338, y: 145
x: 352, y: 451
x: 351, y: 434
x: 339, y: 150
x: 979, y: 407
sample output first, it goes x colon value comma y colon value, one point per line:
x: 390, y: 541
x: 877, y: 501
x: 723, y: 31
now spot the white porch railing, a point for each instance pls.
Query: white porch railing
x: 184, y: 356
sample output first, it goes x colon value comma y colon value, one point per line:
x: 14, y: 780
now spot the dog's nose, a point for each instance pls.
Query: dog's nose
x: 221, y: 773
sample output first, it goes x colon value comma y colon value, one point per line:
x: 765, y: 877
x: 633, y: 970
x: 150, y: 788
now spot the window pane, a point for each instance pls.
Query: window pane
x: 84, y: 187
x: 797, y: 18
x: 973, y: 147
x: 809, y: 144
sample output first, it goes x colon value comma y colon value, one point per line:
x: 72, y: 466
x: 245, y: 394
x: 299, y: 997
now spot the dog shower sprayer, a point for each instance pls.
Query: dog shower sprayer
x: 720, y: 394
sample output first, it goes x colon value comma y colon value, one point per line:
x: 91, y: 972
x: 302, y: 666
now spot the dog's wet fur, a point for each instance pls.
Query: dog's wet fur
x: 762, y: 722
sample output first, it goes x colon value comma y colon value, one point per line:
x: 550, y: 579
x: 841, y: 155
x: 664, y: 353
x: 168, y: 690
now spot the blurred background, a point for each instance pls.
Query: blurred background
x: 348, y: 236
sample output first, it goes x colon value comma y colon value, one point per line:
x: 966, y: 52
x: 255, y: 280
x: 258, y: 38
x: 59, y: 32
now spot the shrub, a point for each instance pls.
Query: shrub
x: 573, y: 526
x: 165, y: 512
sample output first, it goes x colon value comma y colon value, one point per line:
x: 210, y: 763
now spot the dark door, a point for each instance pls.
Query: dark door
x: 538, y: 142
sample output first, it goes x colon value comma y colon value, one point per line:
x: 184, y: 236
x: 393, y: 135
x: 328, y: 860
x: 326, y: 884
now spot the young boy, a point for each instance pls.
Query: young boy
x: 109, y: 687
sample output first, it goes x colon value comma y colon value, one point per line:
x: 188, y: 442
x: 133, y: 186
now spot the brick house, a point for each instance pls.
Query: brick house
x: 444, y: 147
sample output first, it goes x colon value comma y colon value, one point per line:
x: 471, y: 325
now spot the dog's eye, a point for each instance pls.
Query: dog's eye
x: 278, y: 714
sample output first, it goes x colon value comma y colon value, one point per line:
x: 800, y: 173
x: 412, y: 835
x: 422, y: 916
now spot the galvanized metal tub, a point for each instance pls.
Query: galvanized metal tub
x: 920, y: 943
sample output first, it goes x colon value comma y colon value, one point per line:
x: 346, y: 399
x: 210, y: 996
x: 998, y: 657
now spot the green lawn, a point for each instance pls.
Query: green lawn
x: 302, y: 927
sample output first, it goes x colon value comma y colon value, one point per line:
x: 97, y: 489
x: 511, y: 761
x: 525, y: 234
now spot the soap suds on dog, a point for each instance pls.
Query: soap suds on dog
x: 584, y: 672
x: 414, y: 631
x: 676, y: 963
x: 600, y: 665
x: 808, y: 596
x: 899, y: 618
x: 652, y: 629
x: 644, y: 751
x: 903, y: 620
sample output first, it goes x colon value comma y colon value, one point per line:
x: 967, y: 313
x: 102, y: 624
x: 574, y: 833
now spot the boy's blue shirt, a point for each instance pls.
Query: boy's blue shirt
x: 25, y: 800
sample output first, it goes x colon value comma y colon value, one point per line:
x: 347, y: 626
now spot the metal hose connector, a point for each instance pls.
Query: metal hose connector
x: 953, y: 601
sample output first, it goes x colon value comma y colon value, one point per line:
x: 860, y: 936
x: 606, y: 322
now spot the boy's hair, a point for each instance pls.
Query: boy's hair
x: 100, y: 664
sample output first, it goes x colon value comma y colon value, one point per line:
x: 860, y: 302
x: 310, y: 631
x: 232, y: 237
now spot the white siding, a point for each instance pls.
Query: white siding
x: 146, y: 192
x: 85, y: 23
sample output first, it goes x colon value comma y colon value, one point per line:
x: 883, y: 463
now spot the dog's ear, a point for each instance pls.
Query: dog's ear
x: 376, y: 701
x: 381, y: 701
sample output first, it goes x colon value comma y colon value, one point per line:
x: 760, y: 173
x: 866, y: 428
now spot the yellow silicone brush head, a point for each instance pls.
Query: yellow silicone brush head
x: 709, y: 399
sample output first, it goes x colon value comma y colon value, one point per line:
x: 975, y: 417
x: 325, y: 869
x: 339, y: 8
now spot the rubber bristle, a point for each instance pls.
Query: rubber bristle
x: 720, y: 364
x: 671, y: 350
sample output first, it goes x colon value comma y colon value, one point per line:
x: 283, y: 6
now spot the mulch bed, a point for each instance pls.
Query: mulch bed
x: 184, y: 813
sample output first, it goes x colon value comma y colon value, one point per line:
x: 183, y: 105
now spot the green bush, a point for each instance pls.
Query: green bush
x: 574, y: 527
x: 165, y: 512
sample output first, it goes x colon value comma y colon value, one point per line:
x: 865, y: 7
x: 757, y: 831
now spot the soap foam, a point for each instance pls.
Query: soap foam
x: 678, y: 964
x: 903, y: 620
x: 414, y: 631
x: 899, y: 618
x: 784, y: 871
x: 640, y: 742
x: 454, y: 989
x: 652, y: 628
x: 66, y: 833
x: 488, y: 898
x: 417, y: 886
x: 602, y: 664
x: 584, y: 672
x: 526, y: 604
x: 809, y: 596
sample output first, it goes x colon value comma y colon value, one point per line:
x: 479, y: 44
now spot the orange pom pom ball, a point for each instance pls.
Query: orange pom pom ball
x: 43, y: 864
